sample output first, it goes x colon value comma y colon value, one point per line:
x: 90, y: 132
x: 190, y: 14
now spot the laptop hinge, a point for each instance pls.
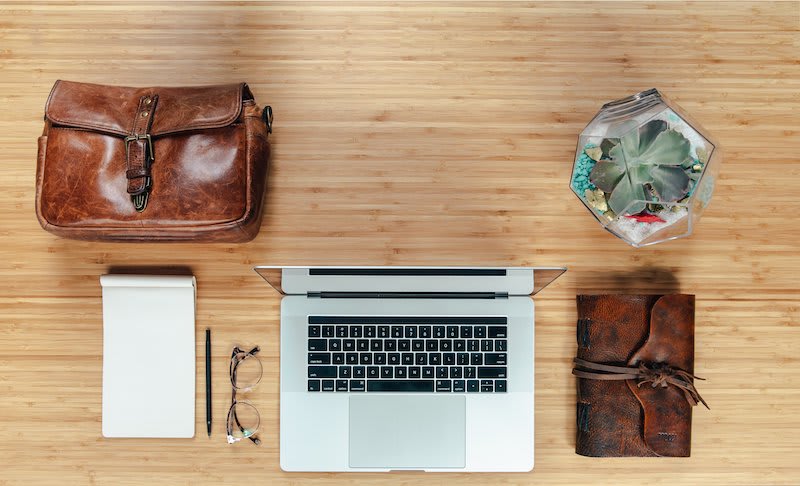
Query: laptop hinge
x: 409, y: 295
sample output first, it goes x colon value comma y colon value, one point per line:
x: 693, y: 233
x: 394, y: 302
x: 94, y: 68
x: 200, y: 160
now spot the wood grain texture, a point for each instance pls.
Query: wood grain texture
x: 417, y: 133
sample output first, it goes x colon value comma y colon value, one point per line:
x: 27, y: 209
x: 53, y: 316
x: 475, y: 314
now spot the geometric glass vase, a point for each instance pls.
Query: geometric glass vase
x: 644, y: 169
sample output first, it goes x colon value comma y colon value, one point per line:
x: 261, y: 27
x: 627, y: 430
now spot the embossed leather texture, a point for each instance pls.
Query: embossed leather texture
x: 152, y: 164
x: 617, y: 418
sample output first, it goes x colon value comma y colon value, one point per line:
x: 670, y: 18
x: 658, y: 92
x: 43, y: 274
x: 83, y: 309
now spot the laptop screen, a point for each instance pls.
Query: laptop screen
x: 510, y: 280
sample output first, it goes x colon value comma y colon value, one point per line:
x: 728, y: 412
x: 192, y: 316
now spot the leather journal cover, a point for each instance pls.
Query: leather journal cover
x: 634, y: 367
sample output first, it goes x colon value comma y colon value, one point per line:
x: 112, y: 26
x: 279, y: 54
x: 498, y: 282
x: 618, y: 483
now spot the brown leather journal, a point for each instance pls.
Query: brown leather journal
x: 634, y: 367
x: 152, y: 164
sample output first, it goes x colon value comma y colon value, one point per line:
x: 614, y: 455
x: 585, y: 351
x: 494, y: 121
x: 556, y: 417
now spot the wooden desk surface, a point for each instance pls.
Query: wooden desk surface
x: 414, y: 133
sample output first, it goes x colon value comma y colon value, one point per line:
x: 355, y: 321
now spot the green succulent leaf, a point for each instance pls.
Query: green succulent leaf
x: 606, y: 174
x: 668, y: 148
x: 648, y: 133
x: 670, y: 183
x: 607, y: 145
x: 624, y: 194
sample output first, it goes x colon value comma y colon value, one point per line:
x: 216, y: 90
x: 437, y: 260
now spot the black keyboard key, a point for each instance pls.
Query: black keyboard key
x: 345, y: 371
x: 356, y: 331
x: 500, y: 385
x: 314, y: 331
x: 373, y: 372
x: 473, y: 345
x: 341, y: 385
x: 390, y: 345
x: 349, y: 344
x: 452, y: 332
x: 408, y: 359
x: 456, y: 372
x: 365, y: 358
x: 495, y: 359
x: 459, y: 385
x: 414, y: 371
x: 443, y: 386
x: 359, y: 372
x: 317, y: 344
x: 466, y: 332
x: 435, y: 358
x: 421, y: 358
x: 438, y: 332
x: 501, y: 345
x: 449, y: 359
x: 327, y: 331
x: 427, y: 371
x: 417, y: 345
x: 383, y: 332
x: 351, y: 358
x: 472, y: 386
x: 319, y: 358
x: 327, y: 385
x: 341, y: 331
x: 462, y: 359
x: 441, y: 372
x: 497, y: 332
x: 379, y: 358
x: 322, y: 372
x: 445, y: 345
x: 397, y: 332
x: 404, y: 345
x: 370, y: 331
x: 410, y: 332
x: 470, y: 372
x: 386, y: 372
x: 432, y: 345
x: 492, y: 372
x: 394, y: 358
x: 400, y: 386
x: 400, y: 372
x: 475, y: 359
x: 479, y: 332
x: 313, y: 385
x: 358, y: 385
x: 335, y: 344
x: 376, y: 345
x: 486, y: 386
x: 459, y: 345
x: 486, y: 345
x: 362, y: 345
x: 425, y: 332
x: 338, y: 358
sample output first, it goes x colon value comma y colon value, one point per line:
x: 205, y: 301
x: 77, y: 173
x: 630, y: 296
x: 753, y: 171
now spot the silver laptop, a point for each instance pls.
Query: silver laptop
x: 412, y: 368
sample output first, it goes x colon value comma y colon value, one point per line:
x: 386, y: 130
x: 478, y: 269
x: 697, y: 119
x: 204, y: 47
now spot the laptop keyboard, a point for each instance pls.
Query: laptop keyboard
x: 407, y: 354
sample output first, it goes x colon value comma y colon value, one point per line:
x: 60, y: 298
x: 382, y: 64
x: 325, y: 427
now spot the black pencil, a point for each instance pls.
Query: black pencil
x: 208, y: 381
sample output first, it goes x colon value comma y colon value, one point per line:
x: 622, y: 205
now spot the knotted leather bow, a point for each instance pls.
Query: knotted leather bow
x: 658, y: 375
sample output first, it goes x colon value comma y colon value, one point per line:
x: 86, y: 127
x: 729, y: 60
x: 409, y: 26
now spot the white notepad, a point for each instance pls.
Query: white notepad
x: 148, y: 356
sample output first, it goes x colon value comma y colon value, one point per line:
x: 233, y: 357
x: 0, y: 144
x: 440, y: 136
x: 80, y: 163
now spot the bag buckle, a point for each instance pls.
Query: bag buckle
x: 137, y: 137
x: 140, y: 200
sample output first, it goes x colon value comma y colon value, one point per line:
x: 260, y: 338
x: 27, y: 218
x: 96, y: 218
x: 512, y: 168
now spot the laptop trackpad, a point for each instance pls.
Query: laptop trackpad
x: 407, y: 431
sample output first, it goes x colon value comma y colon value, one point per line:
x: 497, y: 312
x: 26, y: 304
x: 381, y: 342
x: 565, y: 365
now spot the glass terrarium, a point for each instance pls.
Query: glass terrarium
x: 644, y: 169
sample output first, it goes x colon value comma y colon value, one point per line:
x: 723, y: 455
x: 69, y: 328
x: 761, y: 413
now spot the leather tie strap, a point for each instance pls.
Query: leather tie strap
x: 139, y: 152
x: 658, y: 375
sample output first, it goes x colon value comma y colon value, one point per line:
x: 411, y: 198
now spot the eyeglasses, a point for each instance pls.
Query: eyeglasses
x: 243, y: 419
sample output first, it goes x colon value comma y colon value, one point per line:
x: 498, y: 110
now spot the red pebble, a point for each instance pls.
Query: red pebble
x: 645, y: 218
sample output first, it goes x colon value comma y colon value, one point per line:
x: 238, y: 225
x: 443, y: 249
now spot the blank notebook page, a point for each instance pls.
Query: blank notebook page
x: 148, y: 356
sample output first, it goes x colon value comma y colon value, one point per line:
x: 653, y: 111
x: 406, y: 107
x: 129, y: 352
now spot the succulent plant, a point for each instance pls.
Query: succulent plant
x: 651, y: 163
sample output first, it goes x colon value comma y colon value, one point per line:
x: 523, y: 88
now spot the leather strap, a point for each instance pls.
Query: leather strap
x: 662, y: 376
x: 139, y: 152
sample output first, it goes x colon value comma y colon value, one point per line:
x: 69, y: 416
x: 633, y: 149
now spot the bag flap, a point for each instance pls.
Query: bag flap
x: 111, y: 109
x: 667, y: 413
